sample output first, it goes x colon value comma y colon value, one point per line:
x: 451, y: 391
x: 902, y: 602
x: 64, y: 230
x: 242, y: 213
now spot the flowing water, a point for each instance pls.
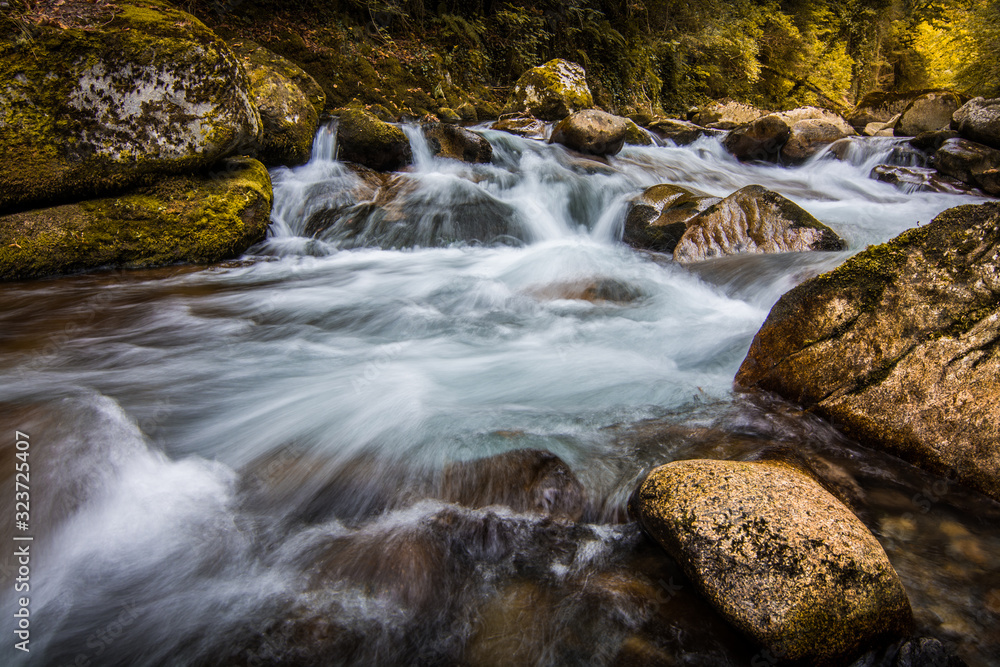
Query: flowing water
x: 247, y: 464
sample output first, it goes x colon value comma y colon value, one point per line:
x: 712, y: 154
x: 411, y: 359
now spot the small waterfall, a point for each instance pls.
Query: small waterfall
x: 324, y: 147
x: 423, y: 159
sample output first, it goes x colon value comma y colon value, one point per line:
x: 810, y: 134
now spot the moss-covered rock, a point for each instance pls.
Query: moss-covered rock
x: 87, y: 112
x: 899, y: 346
x: 180, y: 219
x: 455, y: 142
x: 591, y: 131
x: 449, y: 115
x: 754, y: 220
x: 657, y: 219
x: 635, y: 135
x: 551, y: 91
x: 258, y: 56
x: 366, y: 140
x: 779, y: 556
x: 726, y: 114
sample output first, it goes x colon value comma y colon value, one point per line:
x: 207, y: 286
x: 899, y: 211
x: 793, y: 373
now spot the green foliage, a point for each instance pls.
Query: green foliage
x: 981, y: 73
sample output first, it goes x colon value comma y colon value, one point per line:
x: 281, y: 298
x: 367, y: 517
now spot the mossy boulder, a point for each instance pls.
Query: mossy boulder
x: 760, y: 140
x: 591, y: 131
x: 366, y: 140
x: 657, y: 218
x: 979, y: 120
x: 779, y: 556
x: 927, y: 113
x: 754, y: 220
x: 258, y: 56
x: 88, y: 112
x: 899, y: 346
x: 195, y: 219
x: 551, y: 91
x: 449, y: 115
x: 636, y: 136
x: 458, y: 143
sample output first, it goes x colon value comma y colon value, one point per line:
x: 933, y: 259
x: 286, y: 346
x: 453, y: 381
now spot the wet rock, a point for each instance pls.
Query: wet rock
x: 88, y: 113
x: 927, y: 113
x: 878, y: 129
x: 366, y: 140
x: 760, y: 140
x: 457, y: 143
x: 680, y: 132
x: 195, y: 219
x: 781, y: 558
x: 288, y: 117
x: 602, y: 290
x: 636, y: 136
x: 966, y: 161
x: 899, y: 346
x: 989, y: 181
x: 467, y: 112
x: 329, y: 199
x: 526, y: 480
x: 551, y: 91
x: 591, y: 131
x: 815, y: 113
x: 512, y: 628
x: 726, y: 112
x: 881, y: 107
x: 638, y: 652
x: 753, y: 220
x: 528, y: 127
x: 931, y: 141
x: 657, y: 219
x: 917, y: 179
x: 979, y: 120
x: 449, y: 115
x: 809, y: 137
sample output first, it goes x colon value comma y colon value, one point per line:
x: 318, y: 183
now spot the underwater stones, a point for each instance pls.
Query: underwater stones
x: 599, y: 290
x: 753, y: 220
x: 287, y: 112
x: 657, y: 218
x: 591, y: 131
x: 760, y: 140
x: 777, y: 555
x: 528, y: 127
x: 808, y: 137
x: 898, y: 346
x: 180, y: 219
x: 979, y: 120
x: 526, y: 480
x: 458, y: 143
x: 368, y: 141
x: 551, y: 91
x: 916, y: 179
x: 85, y: 113
x: 927, y: 113
x: 967, y: 161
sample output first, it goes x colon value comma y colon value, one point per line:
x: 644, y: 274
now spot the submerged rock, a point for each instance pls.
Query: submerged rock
x: 760, y: 140
x: 591, y: 131
x: 898, y: 346
x: 927, y: 113
x: 85, y: 113
x: 366, y: 140
x: 457, y: 143
x: 180, y: 219
x: 753, y: 220
x: 600, y: 290
x: 917, y: 179
x: 657, y: 219
x: 979, y: 120
x: 777, y: 555
x: 551, y: 91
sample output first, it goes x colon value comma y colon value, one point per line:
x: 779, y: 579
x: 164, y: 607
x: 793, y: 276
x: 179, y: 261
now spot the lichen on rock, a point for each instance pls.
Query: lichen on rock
x: 551, y: 91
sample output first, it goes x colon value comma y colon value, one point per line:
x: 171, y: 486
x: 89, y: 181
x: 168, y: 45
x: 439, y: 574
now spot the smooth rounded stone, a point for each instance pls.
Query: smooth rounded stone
x: 917, y: 179
x: 288, y: 117
x: 965, y: 160
x: 551, y: 91
x: 366, y: 140
x: 657, y: 219
x: 816, y: 113
x: 528, y: 127
x: 989, y: 181
x: 808, y: 137
x: 196, y: 219
x: 84, y: 113
x: 780, y: 557
x: 931, y: 141
x: 927, y: 113
x: 898, y: 347
x: 600, y: 290
x: 526, y: 480
x: 681, y: 132
x: 758, y: 141
x: 882, y: 107
x: 636, y: 136
x: 592, y: 132
x: 726, y: 112
x: 979, y: 120
x: 305, y: 82
x: 753, y: 220
x: 458, y: 143
x: 879, y: 129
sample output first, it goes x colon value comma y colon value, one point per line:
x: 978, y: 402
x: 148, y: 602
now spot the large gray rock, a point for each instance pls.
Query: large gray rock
x: 753, y: 220
x: 551, y: 91
x: 657, y: 219
x: 780, y: 557
x: 89, y: 112
x: 967, y: 161
x: 979, y: 120
x: 899, y: 346
x: 760, y: 140
x: 927, y: 113
x: 591, y: 131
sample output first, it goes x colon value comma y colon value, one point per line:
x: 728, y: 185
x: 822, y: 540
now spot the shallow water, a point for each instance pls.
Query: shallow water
x: 241, y: 464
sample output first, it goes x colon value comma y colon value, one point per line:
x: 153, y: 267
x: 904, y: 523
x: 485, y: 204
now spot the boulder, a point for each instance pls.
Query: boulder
x: 723, y: 113
x: 330, y: 198
x: 591, y: 131
x: 250, y: 50
x: 808, y: 137
x: 636, y: 136
x: 180, y: 219
x: 366, y: 140
x: 551, y: 91
x: 917, y: 179
x: 458, y: 143
x: 449, y: 115
x: 879, y: 129
x: 753, y: 220
x: 90, y: 112
x: 760, y: 140
x: 528, y: 127
x: 880, y: 107
x: 681, y: 132
x: 779, y: 556
x: 965, y: 160
x: 816, y: 113
x: 287, y: 114
x: 927, y: 113
x: 467, y: 112
x: 931, y: 141
x: 898, y: 346
x: 979, y: 120
x: 657, y: 219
